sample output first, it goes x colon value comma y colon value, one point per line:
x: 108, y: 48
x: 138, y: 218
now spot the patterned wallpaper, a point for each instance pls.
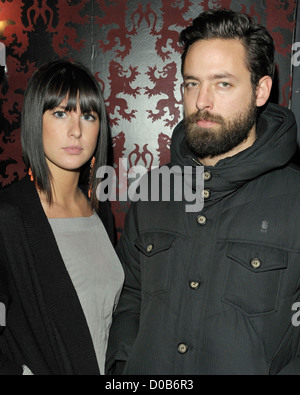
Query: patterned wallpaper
x: 131, y: 47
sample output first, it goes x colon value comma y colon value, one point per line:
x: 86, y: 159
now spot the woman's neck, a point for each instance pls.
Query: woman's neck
x: 68, y: 201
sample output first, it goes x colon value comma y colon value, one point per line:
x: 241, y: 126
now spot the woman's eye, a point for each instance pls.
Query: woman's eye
x: 60, y: 114
x: 89, y: 117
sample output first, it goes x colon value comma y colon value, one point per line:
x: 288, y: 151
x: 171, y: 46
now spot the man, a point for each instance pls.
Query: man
x: 216, y: 292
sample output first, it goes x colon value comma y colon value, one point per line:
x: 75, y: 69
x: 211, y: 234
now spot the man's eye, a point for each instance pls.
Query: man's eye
x: 224, y: 85
x: 189, y: 85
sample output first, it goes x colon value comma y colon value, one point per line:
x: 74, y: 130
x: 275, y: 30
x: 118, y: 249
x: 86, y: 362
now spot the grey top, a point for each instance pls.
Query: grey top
x: 95, y: 271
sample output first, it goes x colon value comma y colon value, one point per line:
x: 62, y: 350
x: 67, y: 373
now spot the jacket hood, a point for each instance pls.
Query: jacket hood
x: 275, y: 146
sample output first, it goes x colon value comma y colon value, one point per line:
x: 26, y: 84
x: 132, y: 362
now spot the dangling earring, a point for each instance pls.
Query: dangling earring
x: 92, y: 168
x: 30, y: 174
x: 32, y: 178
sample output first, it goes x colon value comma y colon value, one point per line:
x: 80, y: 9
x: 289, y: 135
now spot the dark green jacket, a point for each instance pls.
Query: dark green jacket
x: 212, y: 292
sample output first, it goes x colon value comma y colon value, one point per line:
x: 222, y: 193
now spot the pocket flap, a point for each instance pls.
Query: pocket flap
x: 152, y: 243
x: 257, y: 258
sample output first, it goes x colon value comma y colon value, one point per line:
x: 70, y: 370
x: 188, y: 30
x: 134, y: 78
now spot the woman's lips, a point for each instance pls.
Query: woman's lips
x: 73, y: 150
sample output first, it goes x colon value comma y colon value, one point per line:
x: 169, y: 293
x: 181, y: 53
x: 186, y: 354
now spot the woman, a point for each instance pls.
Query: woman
x: 60, y: 278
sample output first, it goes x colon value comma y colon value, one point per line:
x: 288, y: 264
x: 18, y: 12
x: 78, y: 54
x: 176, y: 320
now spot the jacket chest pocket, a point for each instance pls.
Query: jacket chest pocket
x: 254, y: 275
x: 155, y: 257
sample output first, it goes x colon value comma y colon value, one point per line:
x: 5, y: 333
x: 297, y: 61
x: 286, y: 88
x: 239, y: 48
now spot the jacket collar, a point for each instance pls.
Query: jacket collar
x: 275, y: 146
x: 69, y: 326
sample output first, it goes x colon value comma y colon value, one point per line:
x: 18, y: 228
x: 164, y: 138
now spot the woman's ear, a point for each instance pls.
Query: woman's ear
x: 263, y: 90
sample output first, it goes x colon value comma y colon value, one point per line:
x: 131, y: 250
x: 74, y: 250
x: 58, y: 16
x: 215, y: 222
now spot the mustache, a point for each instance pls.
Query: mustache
x: 204, y: 116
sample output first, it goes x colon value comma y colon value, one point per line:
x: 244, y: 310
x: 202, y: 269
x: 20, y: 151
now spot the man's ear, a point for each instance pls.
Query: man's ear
x: 263, y: 90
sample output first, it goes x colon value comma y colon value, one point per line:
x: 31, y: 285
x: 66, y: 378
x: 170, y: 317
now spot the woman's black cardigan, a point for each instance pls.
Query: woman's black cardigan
x: 45, y: 329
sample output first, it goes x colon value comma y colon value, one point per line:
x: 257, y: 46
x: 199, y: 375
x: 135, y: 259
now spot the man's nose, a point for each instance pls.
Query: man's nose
x: 204, y: 98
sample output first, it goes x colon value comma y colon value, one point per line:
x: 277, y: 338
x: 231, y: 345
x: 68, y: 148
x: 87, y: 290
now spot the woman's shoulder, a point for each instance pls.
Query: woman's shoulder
x: 10, y: 191
x: 18, y: 202
x: 105, y: 213
x: 8, y: 200
x: 13, y: 195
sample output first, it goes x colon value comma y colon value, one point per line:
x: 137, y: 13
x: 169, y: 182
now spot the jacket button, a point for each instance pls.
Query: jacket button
x: 182, y: 348
x: 207, y: 175
x: 205, y: 194
x: 149, y: 248
x: 201, y: 219
x: 194, y: 285
x: 255, y: 263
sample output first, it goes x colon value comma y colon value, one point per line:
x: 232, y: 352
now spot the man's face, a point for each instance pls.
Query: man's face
x: 219, y: 101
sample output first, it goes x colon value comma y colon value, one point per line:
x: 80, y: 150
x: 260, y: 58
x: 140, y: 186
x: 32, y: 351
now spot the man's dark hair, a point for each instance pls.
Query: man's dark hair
x: 227, y: 24
x: 47, y: 88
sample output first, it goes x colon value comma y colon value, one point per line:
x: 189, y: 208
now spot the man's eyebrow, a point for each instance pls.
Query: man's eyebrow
x: 190, y: 77
x: 212, y: 76
x: 222, y: 75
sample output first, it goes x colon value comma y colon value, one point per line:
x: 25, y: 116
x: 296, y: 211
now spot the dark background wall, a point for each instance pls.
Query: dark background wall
x: 131, y: 47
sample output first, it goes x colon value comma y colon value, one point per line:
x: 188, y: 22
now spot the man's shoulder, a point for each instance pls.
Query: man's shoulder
x: 294, y: 167
x: 293, y: 171
x: 284, y: 181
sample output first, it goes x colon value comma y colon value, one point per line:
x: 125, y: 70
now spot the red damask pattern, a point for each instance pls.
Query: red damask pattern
x: 132, y: 47
x: 124, y: 79
x: 164, y: 84
x: 114, y: 15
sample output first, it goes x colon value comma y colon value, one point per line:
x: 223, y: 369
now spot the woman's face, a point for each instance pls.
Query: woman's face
x: 69, y: 138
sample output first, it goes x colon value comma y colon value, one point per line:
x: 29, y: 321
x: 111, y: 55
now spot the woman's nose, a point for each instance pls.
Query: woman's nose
x: 75, y: 128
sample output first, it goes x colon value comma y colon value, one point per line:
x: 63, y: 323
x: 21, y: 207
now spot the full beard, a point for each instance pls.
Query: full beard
x: 218, y: 140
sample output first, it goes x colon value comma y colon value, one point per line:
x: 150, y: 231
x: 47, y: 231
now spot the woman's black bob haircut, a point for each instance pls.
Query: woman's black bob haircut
x: 47, y: 88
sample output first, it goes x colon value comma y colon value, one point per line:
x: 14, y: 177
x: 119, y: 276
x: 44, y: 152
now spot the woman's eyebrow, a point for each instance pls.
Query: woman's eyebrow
x: 60, y: 107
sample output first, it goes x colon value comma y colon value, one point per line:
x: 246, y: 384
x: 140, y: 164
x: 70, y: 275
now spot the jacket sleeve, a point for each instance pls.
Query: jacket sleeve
x: 7, y: 366
x: 125, y: 322
x: 292, y: 368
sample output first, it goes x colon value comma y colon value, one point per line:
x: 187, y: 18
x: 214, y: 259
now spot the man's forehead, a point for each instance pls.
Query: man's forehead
x: 216, y: 57
x: 215, y: 46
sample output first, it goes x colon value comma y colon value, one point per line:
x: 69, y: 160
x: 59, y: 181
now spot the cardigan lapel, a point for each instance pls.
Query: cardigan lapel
x: 70, y: 328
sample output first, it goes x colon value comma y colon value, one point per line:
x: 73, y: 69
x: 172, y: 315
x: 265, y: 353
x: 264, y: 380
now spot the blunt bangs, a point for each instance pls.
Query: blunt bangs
x: 72, y: 84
